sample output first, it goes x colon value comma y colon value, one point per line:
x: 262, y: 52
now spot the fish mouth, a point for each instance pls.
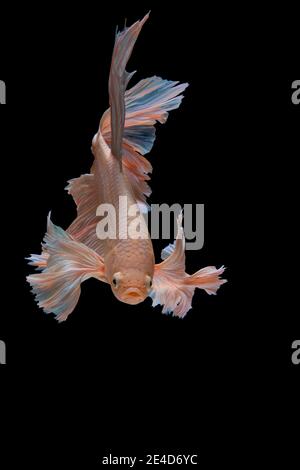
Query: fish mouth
x: 133, y: 296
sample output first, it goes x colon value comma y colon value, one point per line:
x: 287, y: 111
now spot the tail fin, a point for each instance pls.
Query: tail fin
x: 147, y: 103
x: 65, y: 263
x: 128, y: 125
x: 118, y: 80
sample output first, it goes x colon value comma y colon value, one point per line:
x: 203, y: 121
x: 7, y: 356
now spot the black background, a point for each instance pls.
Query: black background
x: 125, y: 379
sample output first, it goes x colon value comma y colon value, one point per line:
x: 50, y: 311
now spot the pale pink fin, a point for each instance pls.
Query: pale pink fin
x: 137, y: 169
x: 207, y: 278
x: 38, y: 261
x: 57, y: 287
x: 83, y: 229
x: 128, y: 126
x: 167, y: 251
x: 146, y: 103
x: 173, y: 287
x: 118, y: 80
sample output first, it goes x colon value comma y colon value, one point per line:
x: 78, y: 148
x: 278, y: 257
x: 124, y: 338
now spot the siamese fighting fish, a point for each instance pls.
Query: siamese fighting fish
x: 120, y: 170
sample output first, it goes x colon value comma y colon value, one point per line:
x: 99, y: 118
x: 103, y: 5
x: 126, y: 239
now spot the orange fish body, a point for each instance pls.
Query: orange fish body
x: 129, y: 263
x: 119, y: 172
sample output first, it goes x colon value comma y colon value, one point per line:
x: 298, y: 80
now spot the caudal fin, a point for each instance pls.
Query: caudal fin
x: 118, y: 80
x: 65, y: 263
x: 128, y: 125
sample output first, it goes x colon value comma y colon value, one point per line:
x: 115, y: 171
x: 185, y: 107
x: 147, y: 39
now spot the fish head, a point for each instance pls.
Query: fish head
x: 131, y: 286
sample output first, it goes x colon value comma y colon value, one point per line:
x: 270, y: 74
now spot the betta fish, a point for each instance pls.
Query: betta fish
x: 126, y: 133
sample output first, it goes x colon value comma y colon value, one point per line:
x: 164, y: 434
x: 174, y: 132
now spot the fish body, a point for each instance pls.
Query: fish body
x: 130, y: 261
x: 119, y: 173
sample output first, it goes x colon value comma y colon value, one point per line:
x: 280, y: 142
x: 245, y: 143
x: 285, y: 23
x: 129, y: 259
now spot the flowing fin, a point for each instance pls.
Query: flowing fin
x: 57, y: 287
x: 39, y: 261
x: 118, y: 80
x: 128, y: 125
x: 167, y: 251
x: 147, y: 103
x: 207, y: 279
x: 173, y: 287
x: 83, y: 229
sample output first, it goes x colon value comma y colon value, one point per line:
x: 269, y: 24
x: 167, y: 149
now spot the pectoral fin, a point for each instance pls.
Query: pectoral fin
x: 173, y: 287
x: 66, y: 264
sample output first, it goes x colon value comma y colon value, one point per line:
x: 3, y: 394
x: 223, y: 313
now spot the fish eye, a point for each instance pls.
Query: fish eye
x: 148, y: 282
x: 116, y: 279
